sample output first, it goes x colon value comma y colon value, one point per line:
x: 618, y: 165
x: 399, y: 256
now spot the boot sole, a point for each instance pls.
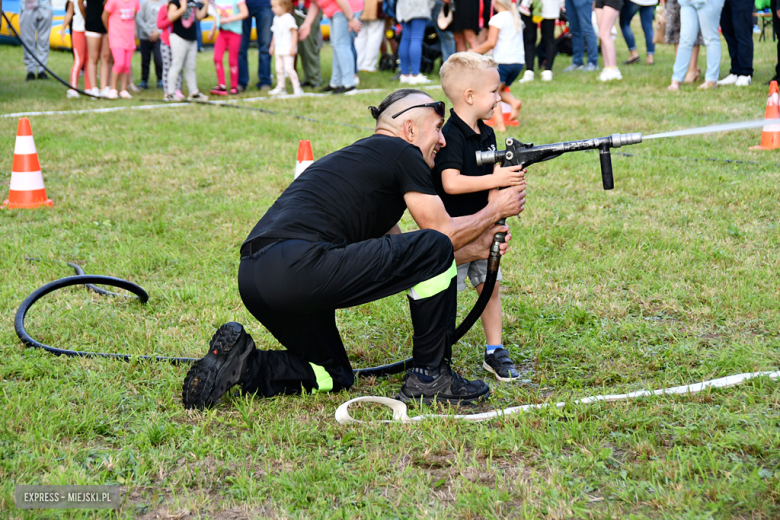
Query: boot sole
x: 492, y: 371
x: 210, y: 377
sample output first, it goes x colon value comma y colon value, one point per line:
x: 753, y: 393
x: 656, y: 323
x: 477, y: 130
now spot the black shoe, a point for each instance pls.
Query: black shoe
x: 160, y: 83
x: 223, y: 366
x: 328, y: 88
x: 241, y: 88
x: 442, y: 385
x: 500, y: 365
x: 343, y: 90
x: 143, y: 85
x: 776, y: 78
x: 42, y: 75
x: 30, y: 76
x: 631, y: 61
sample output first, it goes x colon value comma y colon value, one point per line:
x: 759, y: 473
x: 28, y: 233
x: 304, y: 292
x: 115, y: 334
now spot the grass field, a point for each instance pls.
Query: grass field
x: 669, y: 279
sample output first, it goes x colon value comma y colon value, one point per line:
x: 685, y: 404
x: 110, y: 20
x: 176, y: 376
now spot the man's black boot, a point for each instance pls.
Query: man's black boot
x: 223, y: 366
x: 442, y: 385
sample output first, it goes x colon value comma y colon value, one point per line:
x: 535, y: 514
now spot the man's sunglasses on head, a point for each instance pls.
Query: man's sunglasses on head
x: 438, y: 106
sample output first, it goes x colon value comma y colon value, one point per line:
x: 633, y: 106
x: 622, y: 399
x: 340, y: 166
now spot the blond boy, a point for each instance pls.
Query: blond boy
x: 471, y: 82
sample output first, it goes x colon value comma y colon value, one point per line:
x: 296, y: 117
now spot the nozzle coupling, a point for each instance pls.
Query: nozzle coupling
x: 493, y: 157
x: 619, y: 140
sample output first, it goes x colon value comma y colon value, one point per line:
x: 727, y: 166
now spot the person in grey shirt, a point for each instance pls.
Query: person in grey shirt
x: 149, y: 39
x: 34, y: 27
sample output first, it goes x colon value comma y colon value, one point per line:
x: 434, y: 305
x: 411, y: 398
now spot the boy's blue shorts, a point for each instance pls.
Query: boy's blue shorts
x: 509, y: 72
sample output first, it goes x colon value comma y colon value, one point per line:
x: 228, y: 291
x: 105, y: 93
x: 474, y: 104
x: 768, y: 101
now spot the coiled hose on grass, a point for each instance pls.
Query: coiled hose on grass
x: 89, y: 279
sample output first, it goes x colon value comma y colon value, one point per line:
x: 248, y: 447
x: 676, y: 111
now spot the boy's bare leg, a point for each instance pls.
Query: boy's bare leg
x: 497, y: 360
x: 491, y: 317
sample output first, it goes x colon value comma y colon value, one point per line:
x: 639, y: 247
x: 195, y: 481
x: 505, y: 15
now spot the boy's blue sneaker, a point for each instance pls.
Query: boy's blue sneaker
x: 159, y: 83
x: 143, y: 85
x: 501, y: 365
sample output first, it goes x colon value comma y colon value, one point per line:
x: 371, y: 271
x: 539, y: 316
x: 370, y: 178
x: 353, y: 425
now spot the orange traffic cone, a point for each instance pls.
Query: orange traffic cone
x: 770, y: 137
x: 27, y: 190
x: 305, y: 157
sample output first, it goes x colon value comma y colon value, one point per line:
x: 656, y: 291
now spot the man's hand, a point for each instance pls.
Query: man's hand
x: 509, y: 176
x: 479, y: 249
x: 354, y: 24
x: 303, y: 31
x: 508, y: 202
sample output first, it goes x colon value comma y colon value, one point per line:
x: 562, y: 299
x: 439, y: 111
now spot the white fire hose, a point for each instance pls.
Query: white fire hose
x: 400, y: 415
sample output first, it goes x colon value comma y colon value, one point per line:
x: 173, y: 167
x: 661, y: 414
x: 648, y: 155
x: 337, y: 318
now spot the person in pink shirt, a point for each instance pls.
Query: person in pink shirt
x: 119, y: 19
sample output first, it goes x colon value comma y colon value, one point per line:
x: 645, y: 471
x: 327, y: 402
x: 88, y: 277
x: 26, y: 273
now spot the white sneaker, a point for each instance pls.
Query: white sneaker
x: 743, y: 81
x: 405, y: 78
x: 105, y: 92
x: 419, y: 79
x: 528, y: 75
x: 298, y: 91
x: 95, y: 92
x: 546, y: 75
x: 610, y: 74
x: 731, y: 79
x: 71, y: 94
x: 125, y: 95
x: 277, y: 91
x: 112, y: 94
x: 357, y: 80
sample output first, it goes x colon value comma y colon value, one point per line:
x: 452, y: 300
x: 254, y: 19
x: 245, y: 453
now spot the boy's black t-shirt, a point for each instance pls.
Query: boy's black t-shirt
x: 463, y: 143
x: 184, y: 27
x: 351, y: 195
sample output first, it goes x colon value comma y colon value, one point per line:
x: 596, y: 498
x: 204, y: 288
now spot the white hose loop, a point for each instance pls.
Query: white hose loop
x: 400, y: 415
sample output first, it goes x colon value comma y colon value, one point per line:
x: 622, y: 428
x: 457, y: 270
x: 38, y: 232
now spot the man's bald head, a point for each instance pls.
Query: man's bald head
x: 420, y: 125
x: 395, y: 103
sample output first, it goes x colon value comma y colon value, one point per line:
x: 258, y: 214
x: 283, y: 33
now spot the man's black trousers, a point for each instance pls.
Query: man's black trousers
x: 293, y: 287
x: 736, y: 22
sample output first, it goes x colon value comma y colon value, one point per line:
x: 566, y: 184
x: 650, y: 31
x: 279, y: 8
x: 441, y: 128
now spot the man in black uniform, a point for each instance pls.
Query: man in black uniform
x: 332, y: 241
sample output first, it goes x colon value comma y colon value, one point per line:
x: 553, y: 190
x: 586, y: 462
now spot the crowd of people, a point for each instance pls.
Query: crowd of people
x: 103, y: 35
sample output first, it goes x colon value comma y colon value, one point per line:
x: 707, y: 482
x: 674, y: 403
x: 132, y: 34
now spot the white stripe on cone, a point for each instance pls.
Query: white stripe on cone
x: 24, y: 145
x: 26, y: 181
x: 301, y: 166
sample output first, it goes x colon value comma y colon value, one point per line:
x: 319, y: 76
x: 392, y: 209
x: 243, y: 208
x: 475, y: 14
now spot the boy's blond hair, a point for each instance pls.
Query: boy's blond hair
x: 461, y: 70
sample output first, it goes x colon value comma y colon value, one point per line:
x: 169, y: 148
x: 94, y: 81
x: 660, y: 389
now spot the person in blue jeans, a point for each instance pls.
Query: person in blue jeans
x: 579, y: 13
x: 446, y: 39
x: 646, y: 10
x: 260, y: 12
x: 695, y: 15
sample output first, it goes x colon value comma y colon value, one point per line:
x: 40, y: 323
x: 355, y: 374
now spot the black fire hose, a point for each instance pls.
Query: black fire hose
x: 143, y: 297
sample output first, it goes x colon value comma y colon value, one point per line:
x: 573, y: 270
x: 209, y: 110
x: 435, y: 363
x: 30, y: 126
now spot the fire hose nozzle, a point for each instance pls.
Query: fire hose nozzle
x: 619, y: 140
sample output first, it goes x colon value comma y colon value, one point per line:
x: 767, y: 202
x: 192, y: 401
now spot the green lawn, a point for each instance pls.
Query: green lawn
x: 669, y: 279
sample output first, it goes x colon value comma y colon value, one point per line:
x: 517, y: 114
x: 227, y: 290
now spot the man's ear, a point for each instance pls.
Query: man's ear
x: 410, y: 129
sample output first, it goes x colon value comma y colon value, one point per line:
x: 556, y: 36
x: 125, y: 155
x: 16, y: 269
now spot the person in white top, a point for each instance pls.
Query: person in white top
x: 78, y: 42
x: 505, y: 38
x: 284, y: 46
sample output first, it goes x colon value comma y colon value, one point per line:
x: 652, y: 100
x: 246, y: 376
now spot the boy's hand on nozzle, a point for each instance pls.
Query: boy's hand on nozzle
x: 509, y: 176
